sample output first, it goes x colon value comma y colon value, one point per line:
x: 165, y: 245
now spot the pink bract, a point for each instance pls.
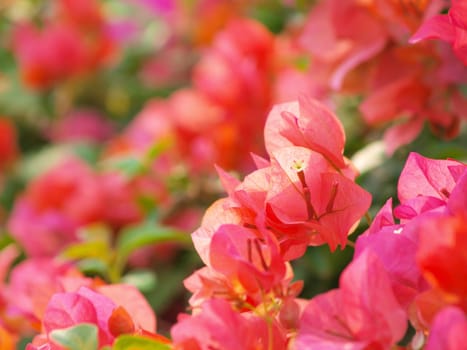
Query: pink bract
x: 218, y: 326
x: 306, y: 123
x: 362, y: 313
x: 451, y: 27
x: 448, y: 330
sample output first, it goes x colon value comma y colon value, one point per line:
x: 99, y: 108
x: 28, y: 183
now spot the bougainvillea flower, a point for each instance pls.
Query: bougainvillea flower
x: 457, y: 202
x: 194, y: 115
x: 86, y: 13
x: 442, y: 258
x: 40, y: 234
x: 133, y: 302
x: 114, y: 309
x: 425, y: 307
x: 218, y: 326
x: 304, y: 195
x: 81, y: 125
x: 426, y: 177
x: 306, y: 123
x: 47, y: 56
x: 363, y: 313
x: 8, y: 146
x: 73, y: 41
x: 122, y: 193
x: 415, y: 79
x: 448, y: 330
x: 408, y: 96
x: 451, y: 27
x: 84, y: 306
x: 221, y: 212
x: 234, y: 74
x: 30, y: 286
x: 404, y: 17
x: 247, y: 257
x: 46, y: 216
x: 305, y: 190
x: 341, y: 43
x: 429, y: 186
x: 229, y: 71
x: 396, y: 250
x: 70, y: 182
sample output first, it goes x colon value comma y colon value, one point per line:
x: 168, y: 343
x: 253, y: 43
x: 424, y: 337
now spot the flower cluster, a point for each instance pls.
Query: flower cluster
x: 218, y: 119
x: 304, y: 195
x: 75, y: 40
x: 402, y: 271
x: 402, y: 85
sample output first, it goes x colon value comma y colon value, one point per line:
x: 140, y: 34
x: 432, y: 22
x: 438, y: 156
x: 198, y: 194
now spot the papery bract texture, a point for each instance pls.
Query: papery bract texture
x: 217, y: 326
x: 362, y: 313
x: 448, y: 330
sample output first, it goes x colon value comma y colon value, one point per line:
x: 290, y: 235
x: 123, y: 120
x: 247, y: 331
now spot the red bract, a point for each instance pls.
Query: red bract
x: 457, y: 202
x: 219, y: 118
x: 217, y: 326
x: 216, y: 215
x: 441, y: 255
x: 305, y: 194
x: 305, y: 191
x: 8, y: 146
x: 451, y: 28
x: 114, y: 309
x: 426, y: 185
x: 30, y: 286
x: 81, y: 125
x: 244, y: 266
x: 309, y: 124
x: 45, y: 218
x: 410, y: 85
x: 448, y: 330
x: 426, y: 177
x: 248, y: 258
x: 396, y: 249
x: 84, y: 14
x: 234, y: 76
x: 414, y: 80
x: 233, y: 69
x: 84, y: 306
x: 206, y: 284
x: 363, y: 313
x: 74, y: 41
x: 349, y: 34
x: 134, y: 304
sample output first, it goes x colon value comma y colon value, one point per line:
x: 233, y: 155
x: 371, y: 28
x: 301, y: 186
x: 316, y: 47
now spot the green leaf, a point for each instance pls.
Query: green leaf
x: 158, y: 148
x: 144, y: 280
x: 130, y: 166
x: 135, y: 342
x: 93, y: 249
x: 148, y: 233
x: 139, y: 236
x: 80, y: 337
x: 40, y: 162
x: 93, y: 267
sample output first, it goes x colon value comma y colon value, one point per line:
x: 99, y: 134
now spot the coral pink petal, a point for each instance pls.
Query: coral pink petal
x: 437, y: 27
x: 134, y: 303
x: 402, y: 134
x: 68, y: 309
x: 426, y: 177
x: 448, y: 330
x: 369, y: 306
